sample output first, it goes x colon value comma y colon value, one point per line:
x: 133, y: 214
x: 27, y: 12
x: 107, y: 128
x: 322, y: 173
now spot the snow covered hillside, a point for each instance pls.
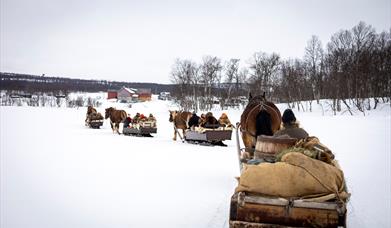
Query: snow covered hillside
x: 55, y: 172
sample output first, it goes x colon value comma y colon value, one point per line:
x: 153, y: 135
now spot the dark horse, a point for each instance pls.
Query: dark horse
x: 180, y: 119
x: 260, y: 117
x: 116, y: 117
x: 90, y: 110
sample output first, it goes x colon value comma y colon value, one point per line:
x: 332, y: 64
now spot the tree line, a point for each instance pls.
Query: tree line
x: 33, y: 84
x: 355, y: 65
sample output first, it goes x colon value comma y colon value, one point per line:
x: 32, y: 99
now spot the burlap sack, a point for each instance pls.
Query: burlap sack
x: 95, y: 116
x: 296, y: 176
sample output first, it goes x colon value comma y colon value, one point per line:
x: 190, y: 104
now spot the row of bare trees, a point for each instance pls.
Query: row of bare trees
x: 8, y: 98
x: 198, y: 85
x: 354, y: 66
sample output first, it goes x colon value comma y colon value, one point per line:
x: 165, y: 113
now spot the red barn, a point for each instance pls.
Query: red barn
x: 111, y: 94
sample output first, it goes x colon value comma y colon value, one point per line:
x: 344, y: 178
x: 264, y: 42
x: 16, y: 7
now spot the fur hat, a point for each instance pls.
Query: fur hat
x: 288, y: 116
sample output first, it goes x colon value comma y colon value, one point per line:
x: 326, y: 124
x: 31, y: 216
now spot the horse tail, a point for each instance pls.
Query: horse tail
x: 263, y: 123
x: 123, y: 115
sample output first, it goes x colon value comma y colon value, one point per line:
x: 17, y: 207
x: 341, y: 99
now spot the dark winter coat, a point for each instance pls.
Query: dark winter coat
x: 292, y: 130
x: 194, y: 121
x: 127, y: 121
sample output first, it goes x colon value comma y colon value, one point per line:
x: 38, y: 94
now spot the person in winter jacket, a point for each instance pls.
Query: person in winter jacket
x: 127, y: 121
x: 291, y: 126
x: 194, y: 121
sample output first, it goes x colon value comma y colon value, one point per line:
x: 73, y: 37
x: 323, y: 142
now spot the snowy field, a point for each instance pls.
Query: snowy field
x: 55, y: 172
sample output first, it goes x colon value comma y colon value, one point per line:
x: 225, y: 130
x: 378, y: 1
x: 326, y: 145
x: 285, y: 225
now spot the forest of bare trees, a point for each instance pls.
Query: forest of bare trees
x: 355, y: 65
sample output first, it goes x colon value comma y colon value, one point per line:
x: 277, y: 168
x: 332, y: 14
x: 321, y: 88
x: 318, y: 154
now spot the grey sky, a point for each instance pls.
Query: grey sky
x: 138, y: 41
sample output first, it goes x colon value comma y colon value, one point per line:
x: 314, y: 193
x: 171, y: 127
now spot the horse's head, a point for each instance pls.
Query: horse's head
x: 258, y: 98
x: 108, y: 112
x: 172, y: 115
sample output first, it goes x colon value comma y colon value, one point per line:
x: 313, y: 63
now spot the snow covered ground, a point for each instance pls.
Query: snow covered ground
x: 55, y: 172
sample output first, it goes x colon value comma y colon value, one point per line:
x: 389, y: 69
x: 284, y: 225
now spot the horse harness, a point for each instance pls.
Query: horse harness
x: 262, y: 106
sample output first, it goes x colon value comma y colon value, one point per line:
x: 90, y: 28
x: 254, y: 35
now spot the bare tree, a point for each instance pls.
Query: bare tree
x: 209, y: 72
x: 231, y: 74
x: 184, y: 76
x: 263, y: 67
x: 313, y: 58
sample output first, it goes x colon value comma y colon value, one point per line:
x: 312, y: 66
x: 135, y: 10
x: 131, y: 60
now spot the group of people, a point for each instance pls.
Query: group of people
x: 137, y: 118
x: 208, y: 121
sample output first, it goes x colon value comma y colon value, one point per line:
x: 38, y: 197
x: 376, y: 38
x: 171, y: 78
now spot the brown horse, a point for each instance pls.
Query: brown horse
x: 90, y: 110
x: 259, y: 117
x: 180, y: 119
x: 116, y: 117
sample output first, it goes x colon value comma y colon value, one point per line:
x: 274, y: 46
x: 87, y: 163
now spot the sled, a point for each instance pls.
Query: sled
x: 144, y: 128
x: 94, y: 120
x: 213, y: 136
x: 95, y: 124
x: 260, y: 211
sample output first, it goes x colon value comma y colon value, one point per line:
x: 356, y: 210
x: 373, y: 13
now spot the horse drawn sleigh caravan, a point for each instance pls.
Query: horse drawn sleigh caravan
x: 284, y: 182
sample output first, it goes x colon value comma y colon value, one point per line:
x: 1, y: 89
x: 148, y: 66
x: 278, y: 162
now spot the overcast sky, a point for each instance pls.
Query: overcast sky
x: 138, y: 41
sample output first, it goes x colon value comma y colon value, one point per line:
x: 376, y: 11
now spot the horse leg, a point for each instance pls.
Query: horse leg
x: 175, y: 131
x: 112, y: 126
x: 183, y: 133
x: 117, y: 128
x: 248, y: 140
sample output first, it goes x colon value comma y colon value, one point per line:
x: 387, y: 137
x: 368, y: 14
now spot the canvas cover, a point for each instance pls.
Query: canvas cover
x: 297, y: 175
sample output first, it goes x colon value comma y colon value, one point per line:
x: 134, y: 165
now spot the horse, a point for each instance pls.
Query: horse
x: 90, y: 110
x: 180, y: 119
x: 260, y: 117
x: 116, y: 117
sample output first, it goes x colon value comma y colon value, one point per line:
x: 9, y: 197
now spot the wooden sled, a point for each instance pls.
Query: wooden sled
x: 213, y: 136
x: 250, y: 210
x: 261, y: 211
x: 145, y: 128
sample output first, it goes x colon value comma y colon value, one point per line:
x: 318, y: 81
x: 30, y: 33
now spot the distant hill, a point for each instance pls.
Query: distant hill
x: 34, y: 83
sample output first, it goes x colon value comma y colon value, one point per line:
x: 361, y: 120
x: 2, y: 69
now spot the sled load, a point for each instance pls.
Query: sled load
x: 140, y: 125
x: 289, y: 183
x: 213, y: 135
x: 93, y: 118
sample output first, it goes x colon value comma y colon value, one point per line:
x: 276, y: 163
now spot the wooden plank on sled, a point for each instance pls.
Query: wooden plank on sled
x: 209, y: 135
x: 139, y: 131
x: 284, y: 212
x: 95, y: 123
